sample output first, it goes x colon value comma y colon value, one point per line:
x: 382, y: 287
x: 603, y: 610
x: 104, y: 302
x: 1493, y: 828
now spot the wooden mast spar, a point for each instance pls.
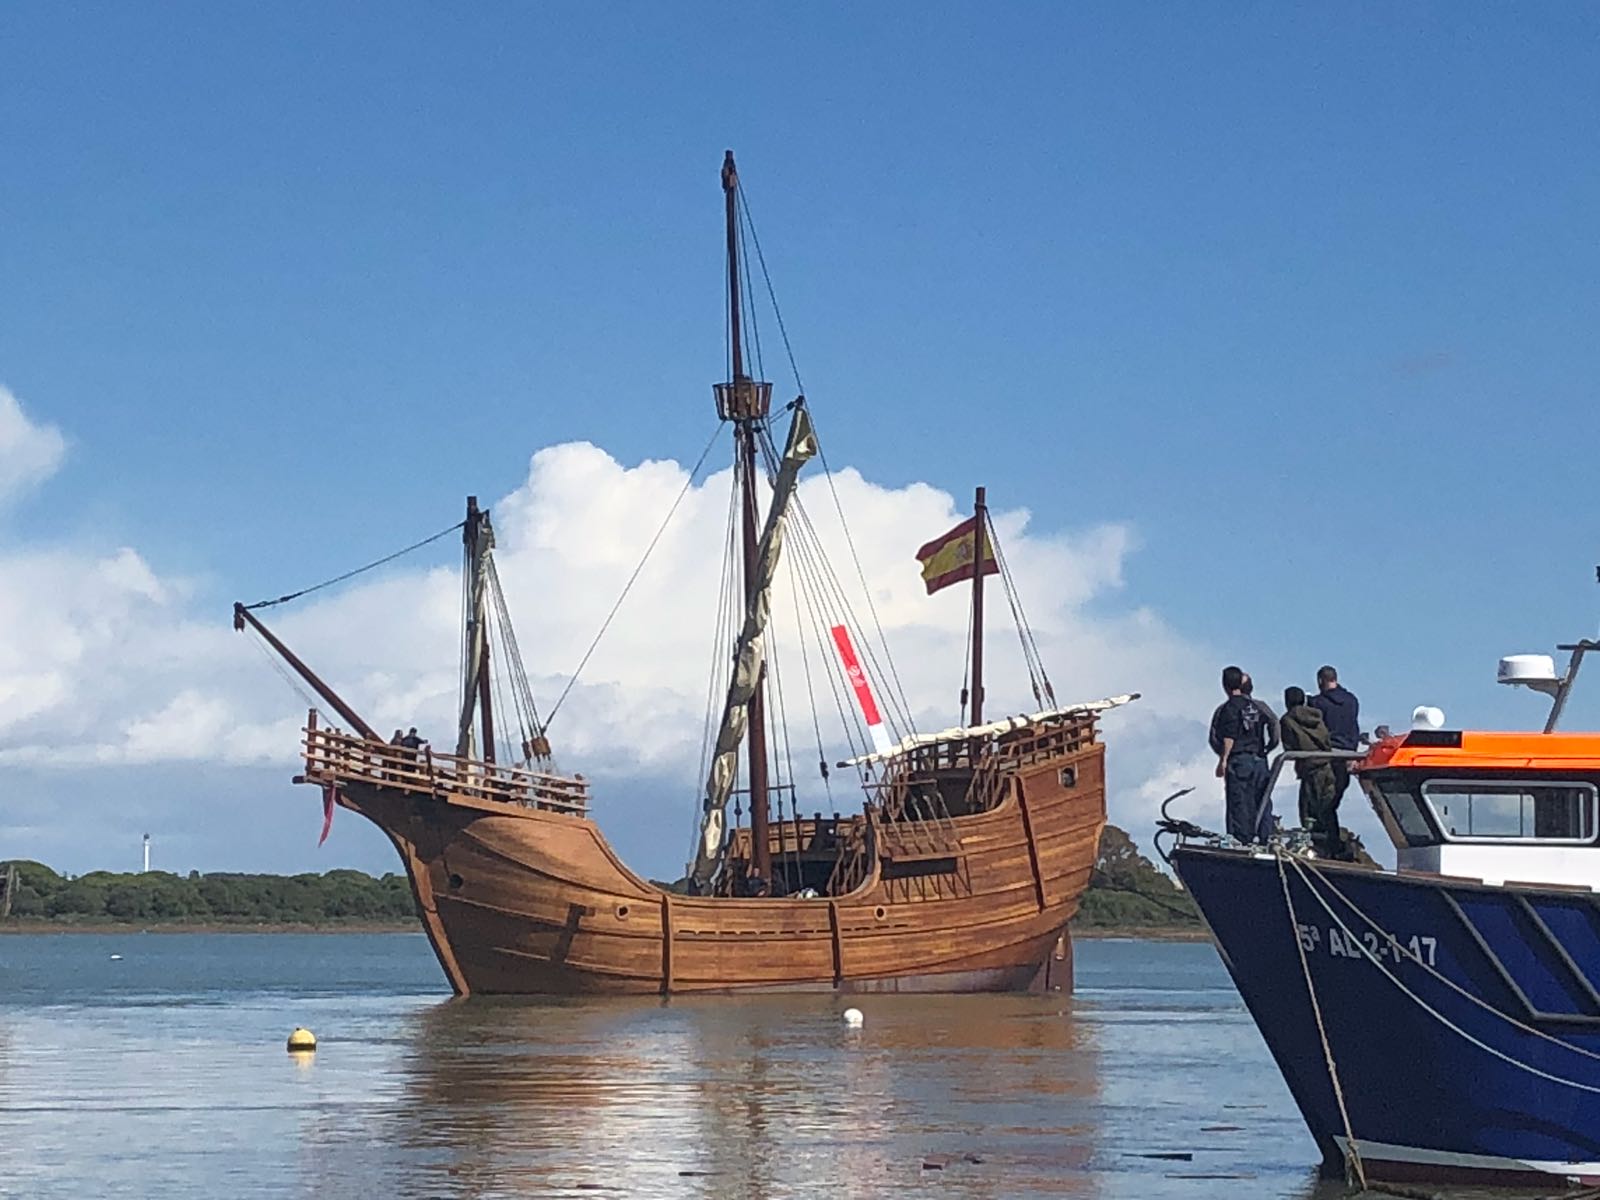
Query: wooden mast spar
x: 980, y: 546
x: 745, y: 402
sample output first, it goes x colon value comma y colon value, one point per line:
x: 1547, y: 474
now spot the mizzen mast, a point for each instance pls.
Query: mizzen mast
x: 980, y: 542
x: 745, y: 402
x: 477, y: 537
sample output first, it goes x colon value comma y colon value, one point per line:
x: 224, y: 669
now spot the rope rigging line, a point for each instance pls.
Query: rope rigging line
x: 805, y: 528
x: 806, y: 574
x: 1438, y: 1016
x: 1037, y: 678
x: 811, y: 695
x: 1353, y: 1154
x: 893, y: 695
x: 721, y: 657
x: 850, y: 541
x: 752, y: 327
x: 627, y: 587
x: 497, y: 684
x: 812, y: 564
x: 466, y: 612
x: 306, y: 697
x: 772, y: 296
x: 966, y: 672
x: 317, y: 587
x: 781, y: 740
x: 850, y: 719
x: 527, y: 711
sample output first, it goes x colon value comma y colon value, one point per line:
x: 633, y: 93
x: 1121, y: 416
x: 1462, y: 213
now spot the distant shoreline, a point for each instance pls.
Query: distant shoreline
x: 1142, y: 933
x: 15, y: 927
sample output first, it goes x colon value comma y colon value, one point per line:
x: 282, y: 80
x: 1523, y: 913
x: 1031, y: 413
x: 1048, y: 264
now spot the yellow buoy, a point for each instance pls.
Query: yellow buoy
x: 302, y: 1041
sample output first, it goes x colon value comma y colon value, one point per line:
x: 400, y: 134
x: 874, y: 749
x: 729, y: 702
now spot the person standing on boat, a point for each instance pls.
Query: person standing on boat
x: 1267, y: 715
x: 1239, y: 738
x: 1305, y: 730
x: 1341, y: 711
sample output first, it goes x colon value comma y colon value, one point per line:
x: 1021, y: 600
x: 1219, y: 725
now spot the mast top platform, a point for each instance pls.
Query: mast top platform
x: 743, y: 399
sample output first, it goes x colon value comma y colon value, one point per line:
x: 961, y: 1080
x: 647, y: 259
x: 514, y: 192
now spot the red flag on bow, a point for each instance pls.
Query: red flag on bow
x: 329, y: 795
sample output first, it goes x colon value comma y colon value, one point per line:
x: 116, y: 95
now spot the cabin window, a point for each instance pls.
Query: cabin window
x: 1406, y: 811
x: 1495, y: 810
x: 893, y: 869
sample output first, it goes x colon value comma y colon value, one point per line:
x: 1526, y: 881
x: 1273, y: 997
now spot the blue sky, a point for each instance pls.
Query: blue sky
x: 1303, y: 296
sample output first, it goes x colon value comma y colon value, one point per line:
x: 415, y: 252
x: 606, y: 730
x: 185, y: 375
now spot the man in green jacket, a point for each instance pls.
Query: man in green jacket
x: 1302, y: 728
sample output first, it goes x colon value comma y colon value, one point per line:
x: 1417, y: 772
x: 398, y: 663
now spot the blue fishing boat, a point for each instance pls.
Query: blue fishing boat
x: 1440, y: 1021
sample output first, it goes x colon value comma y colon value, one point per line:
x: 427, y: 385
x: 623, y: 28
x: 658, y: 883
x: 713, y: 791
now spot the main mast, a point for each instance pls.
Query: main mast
x: 745, y: 402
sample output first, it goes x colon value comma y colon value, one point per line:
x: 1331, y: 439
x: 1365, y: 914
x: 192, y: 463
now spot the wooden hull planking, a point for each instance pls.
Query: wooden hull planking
x: 523, y: 901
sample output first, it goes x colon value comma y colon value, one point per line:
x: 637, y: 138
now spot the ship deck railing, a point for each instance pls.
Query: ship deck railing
x: 336, y: 758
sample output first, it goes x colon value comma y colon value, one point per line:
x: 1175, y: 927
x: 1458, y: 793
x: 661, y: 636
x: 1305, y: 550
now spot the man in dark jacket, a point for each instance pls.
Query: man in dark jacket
x: 1341, y: 712
x: 1238, y: 736
x: 1303, y: 729
x: 1248, y: 687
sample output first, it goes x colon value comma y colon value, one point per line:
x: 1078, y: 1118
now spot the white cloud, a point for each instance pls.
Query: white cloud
x: 104, y: 663
x: 29, y: 452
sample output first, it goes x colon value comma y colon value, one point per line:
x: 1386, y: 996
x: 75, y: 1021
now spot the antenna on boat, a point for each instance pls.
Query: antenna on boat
x: 1538, y: 672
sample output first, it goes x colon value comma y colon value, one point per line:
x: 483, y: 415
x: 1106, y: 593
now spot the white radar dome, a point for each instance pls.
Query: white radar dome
x: 1426, y: 716
x: 1530, y: 670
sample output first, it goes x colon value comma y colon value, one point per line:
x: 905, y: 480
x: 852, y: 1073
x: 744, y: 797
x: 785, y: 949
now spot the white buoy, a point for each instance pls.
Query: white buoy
x: 853, y: 1017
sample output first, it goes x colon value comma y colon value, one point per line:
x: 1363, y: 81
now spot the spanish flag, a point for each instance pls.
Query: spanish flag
x: 948, y: 559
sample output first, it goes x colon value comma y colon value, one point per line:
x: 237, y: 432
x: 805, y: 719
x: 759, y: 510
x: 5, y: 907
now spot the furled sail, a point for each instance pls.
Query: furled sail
x: 479, y: 539
x: 750, y: 653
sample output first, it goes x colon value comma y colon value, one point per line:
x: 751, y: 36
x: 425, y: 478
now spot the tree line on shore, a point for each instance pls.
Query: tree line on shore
x: 1127, y: 891
x: 160, y: 897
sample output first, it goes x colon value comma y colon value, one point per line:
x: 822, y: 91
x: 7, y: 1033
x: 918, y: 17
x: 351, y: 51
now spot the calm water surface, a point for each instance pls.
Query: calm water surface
x: 164, y: 1074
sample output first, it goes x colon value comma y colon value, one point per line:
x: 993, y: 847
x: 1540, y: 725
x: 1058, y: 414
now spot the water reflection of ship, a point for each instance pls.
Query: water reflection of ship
x: 766, y: 1096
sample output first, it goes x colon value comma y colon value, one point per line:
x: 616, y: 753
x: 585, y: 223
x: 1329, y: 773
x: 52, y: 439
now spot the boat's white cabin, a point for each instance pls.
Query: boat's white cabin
x: 1497, y: 807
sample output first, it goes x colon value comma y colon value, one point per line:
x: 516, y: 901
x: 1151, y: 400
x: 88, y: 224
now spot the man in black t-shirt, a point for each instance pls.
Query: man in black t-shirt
x: 1239, y: 739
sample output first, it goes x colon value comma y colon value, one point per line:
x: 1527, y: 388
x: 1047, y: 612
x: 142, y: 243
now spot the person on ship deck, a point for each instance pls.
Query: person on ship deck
x: 1341, y: 712
x: 1305, y: 730
x: 1238, y: 736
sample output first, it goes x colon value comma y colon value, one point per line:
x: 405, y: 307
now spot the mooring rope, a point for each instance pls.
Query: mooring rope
x: 1438, y: 1016
x: 1352, y: 1151
x: 317, y: 587
x: 1440, y: 975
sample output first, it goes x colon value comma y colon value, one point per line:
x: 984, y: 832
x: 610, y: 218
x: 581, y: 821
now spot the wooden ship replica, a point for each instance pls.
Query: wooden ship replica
x: 959, y: 873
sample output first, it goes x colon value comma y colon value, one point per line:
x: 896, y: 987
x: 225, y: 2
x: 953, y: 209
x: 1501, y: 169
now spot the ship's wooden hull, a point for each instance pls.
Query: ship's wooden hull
x: 517, y: 900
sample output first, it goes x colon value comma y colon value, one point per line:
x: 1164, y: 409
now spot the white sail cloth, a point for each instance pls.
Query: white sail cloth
x: 751, y: 651
x: 1004, y: 725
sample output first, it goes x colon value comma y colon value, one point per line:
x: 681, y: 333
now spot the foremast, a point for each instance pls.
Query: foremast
x: 477, y: 538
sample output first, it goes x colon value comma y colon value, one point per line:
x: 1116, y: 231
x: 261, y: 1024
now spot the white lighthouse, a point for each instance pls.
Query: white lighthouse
x: 147, y: 853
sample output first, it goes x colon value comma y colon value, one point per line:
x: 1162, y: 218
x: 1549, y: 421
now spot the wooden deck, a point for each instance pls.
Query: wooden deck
x: 338, y: 759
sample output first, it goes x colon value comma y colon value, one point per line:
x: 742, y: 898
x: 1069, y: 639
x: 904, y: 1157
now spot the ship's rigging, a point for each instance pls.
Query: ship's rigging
x: 748, y: 751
